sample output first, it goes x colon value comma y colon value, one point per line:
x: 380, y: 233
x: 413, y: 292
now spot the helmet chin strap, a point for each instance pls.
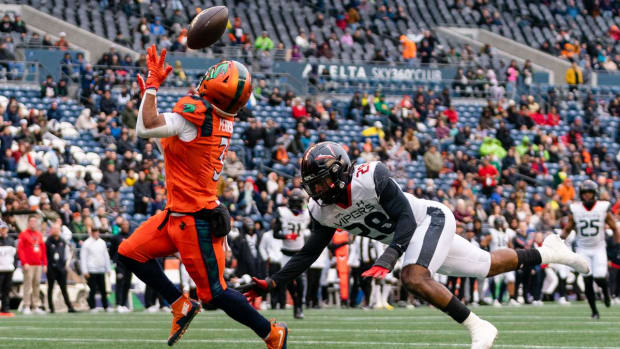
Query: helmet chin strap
x: 220, y: 111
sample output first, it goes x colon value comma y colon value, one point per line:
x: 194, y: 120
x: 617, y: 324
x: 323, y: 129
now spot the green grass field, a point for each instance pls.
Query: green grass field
x: 550, y: 326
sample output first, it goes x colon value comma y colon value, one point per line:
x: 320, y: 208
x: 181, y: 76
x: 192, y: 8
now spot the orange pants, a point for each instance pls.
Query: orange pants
x: 201, y: 252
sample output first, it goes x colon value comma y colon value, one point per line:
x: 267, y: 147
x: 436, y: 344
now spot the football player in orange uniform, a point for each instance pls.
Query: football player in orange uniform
x: 194, y: 139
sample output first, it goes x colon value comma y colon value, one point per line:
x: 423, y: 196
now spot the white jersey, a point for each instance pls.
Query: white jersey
x: 294, y: 224
x: 499, y: 239
x: 365, y: 216
x: 590, y: 224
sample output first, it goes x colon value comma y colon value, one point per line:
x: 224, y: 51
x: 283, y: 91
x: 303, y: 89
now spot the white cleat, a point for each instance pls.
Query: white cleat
x: 513, y: 303
x: 563, y: 301
x: 483, y: 336
x: 497, y: 304
x: 554, y: 250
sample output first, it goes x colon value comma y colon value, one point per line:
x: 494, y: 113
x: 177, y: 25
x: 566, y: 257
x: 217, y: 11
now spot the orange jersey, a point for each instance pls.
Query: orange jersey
x: 193, y: 168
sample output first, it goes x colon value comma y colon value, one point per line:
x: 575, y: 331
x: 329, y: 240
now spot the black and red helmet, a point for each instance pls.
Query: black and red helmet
x: 325, y: 172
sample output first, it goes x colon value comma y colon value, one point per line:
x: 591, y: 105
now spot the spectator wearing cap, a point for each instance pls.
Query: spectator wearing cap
x: 32, y: 255
x: 7, y: 266
x: 77, y: 225
x: 374, y: 131
x: 95, y: 263
x: 157, y: 28
x: 58, y: 257
x: 62, y: 42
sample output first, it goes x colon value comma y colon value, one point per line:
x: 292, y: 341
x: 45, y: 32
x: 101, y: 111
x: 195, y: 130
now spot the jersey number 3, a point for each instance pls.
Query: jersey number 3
x: 224, y: 142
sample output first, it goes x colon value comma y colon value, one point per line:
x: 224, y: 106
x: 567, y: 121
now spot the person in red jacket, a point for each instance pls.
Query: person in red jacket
x: 32, y: 255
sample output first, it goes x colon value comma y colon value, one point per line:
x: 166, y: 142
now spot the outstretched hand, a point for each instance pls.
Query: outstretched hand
x: 158, y: 71
x: 376, y: 272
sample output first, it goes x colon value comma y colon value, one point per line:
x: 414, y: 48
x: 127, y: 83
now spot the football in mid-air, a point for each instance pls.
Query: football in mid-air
x: 207, y: 27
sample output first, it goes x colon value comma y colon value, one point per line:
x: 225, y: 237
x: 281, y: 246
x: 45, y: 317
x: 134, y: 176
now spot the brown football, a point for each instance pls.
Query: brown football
x: 207, y: 27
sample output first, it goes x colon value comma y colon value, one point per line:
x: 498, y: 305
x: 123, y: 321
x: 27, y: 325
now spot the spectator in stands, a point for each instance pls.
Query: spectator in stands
x: 275, y: 99
x: 264, y: 43
x: 6, y: 26
x: 566, y: 191
x: 157, y: 205
x: 143, y: 193
x: 53, y: 113
x: 156, y: 28
x: 325, y: 51
x: 233, y: 167
x: 433, y: 162
x: 62, y: 42
x: 95, y: 263
x: 58, y: 257
x: 235, y: 32
x: 111, y: 177
x: 50, y: 182
x: 409, y: 49
x: 47, y: 41
x: 19, y: 26
x: 32, y: 255
x: 48, y: 88
x: 488, y: 176
x: 121, y: 39
x: 574, y: 76
x: 107, y: 104
x: 85, y: 122
x: 7, y: 266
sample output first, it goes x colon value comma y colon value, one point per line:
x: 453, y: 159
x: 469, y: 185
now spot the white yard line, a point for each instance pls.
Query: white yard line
x: 296, y: 342
x: 295, y: 330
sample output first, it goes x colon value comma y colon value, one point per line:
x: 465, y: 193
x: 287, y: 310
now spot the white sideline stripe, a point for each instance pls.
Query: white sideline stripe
x: 325, y: 330
x: 313, y: 342
x: 415, y: 322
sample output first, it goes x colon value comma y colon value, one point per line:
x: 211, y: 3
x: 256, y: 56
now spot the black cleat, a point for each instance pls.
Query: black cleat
x: 607, y: 299
x: 595, y: 316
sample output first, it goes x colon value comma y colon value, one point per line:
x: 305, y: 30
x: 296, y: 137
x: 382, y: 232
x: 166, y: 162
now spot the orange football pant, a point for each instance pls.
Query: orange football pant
x: 201, y: 252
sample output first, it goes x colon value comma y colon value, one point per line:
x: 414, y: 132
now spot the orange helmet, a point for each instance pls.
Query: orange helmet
x: 227, y: 86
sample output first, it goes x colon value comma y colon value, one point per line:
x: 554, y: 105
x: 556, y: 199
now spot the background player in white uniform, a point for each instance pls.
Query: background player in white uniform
x: 500, y: 237
x: 588, y: 219
x: 364, y: 200
x: 291, y: 226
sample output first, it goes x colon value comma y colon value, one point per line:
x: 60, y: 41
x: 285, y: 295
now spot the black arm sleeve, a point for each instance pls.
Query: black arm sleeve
x: 396, y: 205
x: 277, y: 226
x: 302, y: 260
